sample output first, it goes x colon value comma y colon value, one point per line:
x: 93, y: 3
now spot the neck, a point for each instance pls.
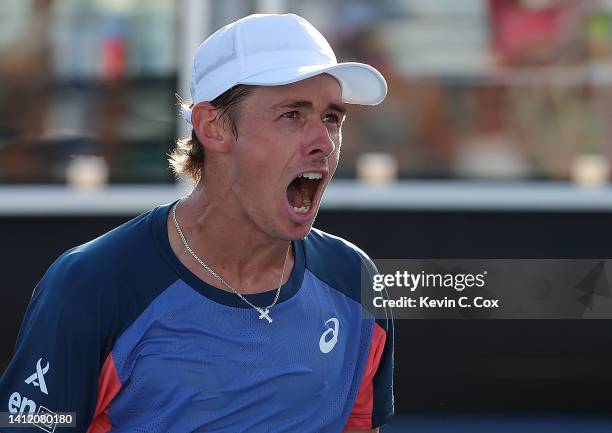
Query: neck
x: 246, y: 258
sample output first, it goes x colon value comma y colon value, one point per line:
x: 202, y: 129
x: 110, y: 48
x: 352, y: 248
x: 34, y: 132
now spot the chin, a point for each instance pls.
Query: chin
x: 302, y: 233
x: 294, y: 232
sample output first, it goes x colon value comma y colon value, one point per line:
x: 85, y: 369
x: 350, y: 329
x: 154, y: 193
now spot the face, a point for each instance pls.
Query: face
x: 286, y: 153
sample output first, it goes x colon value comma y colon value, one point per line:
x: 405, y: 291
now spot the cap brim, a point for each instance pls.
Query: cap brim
x: 361, y: 84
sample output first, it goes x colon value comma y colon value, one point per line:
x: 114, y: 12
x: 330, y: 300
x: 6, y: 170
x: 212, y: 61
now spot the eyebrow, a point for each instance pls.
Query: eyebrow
x: 307, y: 104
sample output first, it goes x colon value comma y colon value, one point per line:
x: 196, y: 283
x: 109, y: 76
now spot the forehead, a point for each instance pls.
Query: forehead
x: 321, y: 90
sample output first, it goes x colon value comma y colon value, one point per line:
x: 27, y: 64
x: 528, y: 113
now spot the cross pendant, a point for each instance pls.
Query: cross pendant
x: 265, y: 315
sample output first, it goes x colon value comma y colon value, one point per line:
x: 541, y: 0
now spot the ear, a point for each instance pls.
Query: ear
x: 209, y: 129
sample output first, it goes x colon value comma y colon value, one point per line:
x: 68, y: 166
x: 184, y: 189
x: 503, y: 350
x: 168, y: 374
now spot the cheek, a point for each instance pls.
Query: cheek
x: 335, y: 157
x: 257, y: 171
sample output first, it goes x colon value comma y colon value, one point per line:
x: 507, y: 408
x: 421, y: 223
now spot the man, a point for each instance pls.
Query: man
x: 223, y: 311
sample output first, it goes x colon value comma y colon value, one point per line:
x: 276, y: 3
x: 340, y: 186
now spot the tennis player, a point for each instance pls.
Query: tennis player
x: 223, y: 311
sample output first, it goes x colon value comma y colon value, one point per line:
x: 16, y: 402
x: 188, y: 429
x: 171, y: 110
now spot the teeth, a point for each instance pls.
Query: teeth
x: 312, y: 175
x: 302, y: 209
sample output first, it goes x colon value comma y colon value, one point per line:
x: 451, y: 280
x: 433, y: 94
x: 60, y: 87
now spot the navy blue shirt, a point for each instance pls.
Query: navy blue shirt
x: 120, y: 332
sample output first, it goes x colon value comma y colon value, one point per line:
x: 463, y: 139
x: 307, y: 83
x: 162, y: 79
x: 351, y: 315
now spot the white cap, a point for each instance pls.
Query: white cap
x: 272, y: 50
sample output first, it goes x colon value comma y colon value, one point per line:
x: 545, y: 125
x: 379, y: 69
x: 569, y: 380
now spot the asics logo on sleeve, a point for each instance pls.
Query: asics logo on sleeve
x: 38, y: 378
x: 326, y: 345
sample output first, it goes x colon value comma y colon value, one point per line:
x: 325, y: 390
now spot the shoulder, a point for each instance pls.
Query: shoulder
x: 333, y: 247
x: 102, y: 272
x: 337, y: 262
x: 103, y: 256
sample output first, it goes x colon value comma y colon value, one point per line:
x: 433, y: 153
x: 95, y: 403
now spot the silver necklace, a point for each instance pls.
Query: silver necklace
x: 264, y: 312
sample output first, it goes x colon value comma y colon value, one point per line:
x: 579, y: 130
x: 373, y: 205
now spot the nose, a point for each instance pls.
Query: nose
x: 319, y: 142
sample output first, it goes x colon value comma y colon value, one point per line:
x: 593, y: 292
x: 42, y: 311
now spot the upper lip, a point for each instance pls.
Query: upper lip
x: 323, y: 171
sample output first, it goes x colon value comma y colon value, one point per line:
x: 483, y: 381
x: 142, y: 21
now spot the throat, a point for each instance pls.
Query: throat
x: 300, y: 194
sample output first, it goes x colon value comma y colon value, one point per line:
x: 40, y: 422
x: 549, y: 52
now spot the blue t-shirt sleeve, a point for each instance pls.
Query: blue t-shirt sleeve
x: 57, y: 358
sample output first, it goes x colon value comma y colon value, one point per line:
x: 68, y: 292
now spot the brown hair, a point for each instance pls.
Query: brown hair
x: 187, y: 158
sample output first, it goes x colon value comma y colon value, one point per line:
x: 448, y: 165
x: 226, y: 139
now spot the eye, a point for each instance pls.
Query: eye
x: 291, y: 115
x: 332, y: 118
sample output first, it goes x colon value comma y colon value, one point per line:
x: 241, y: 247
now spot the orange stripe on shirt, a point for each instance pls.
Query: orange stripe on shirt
x: 361, y: 415
x: 108, y: 387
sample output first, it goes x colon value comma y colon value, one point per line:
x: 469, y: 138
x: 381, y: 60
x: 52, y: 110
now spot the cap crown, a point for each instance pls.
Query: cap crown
x: 253, y: 45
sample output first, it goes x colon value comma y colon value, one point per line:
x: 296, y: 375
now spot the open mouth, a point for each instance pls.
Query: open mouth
x: 302, y: 190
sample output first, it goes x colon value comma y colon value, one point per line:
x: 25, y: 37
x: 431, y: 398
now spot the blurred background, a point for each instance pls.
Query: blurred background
x: 495, y: 141
x: 478, y: 89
